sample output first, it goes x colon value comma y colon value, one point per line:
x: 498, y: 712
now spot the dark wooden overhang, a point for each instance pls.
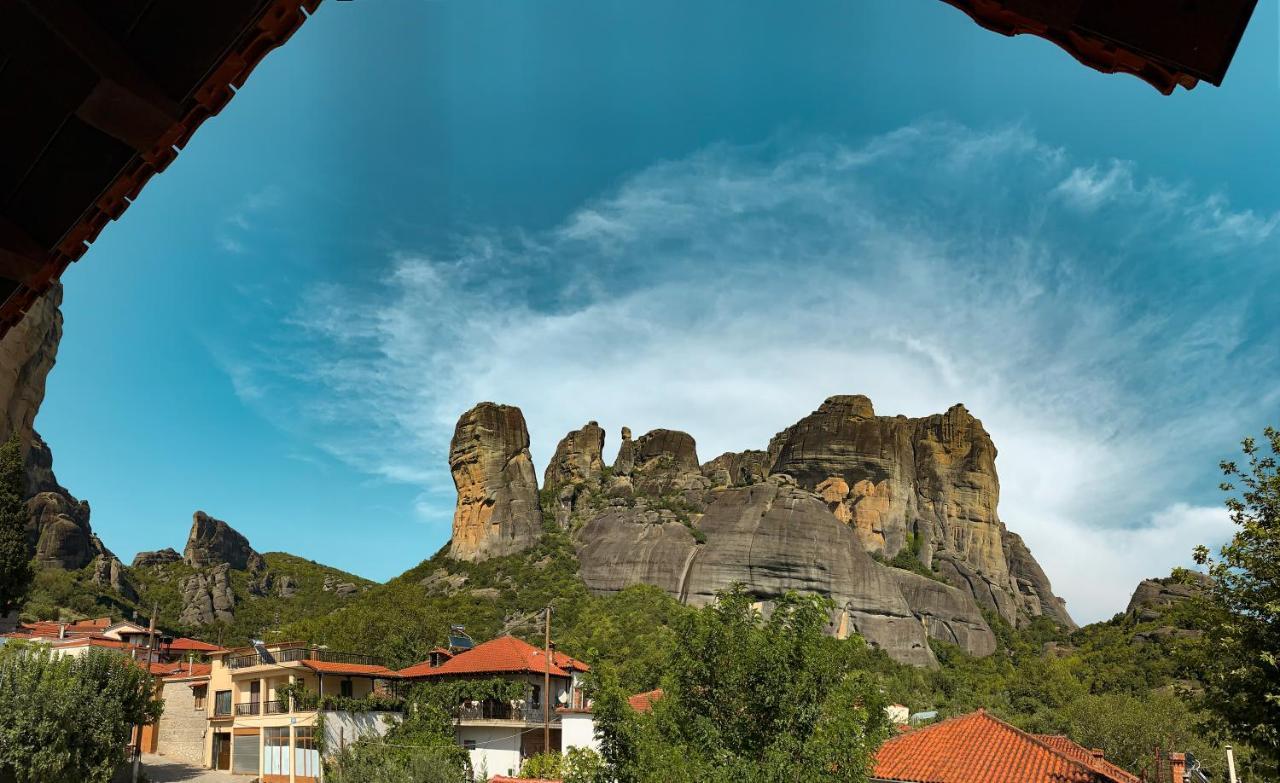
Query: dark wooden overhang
x: 96, y: 97
x: 1166, y: 43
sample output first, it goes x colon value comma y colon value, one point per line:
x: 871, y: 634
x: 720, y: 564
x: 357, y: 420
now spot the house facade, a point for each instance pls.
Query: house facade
x: 501, y: 735
x: 255, y: 728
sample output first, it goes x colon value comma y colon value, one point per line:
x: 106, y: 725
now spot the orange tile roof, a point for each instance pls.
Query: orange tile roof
x: 351, y: 669
x: 182, y: 671
x: 504, y: 655
x: 977, y: 748
x: 1092, y: 758
x: 192, y: 645
x: 643, y: 702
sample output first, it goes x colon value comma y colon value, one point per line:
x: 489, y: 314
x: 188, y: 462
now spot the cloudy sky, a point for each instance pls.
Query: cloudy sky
x: 702, y: 216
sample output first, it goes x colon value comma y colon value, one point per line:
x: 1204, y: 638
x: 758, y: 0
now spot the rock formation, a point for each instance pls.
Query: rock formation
x: 207, y: 597
x: 774, y: 537
x: 58, y: 529
x: 929, y: 483
x: 108, y: 572
x: 213, y: 542
x: 27, y: 353
x: 578, y: 458
x: 157, y: 558
x: 497, y: 511
x: 1153, y: 596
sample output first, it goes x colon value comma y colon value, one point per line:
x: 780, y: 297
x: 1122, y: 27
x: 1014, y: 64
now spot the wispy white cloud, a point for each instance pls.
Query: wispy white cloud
x: 728, y: 293
x: 237, y: 224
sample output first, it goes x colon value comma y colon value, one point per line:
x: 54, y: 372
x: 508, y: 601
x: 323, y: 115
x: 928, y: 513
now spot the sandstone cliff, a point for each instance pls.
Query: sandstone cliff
x: 823, y: 509
x: 58, y: 529
x: 213, y: 542
x: 927, y: 483
x: 497, y: 511
x: 1153, y: 596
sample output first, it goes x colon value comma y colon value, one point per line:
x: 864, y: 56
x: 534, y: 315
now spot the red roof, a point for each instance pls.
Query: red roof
x: 643, y: 702
x: 504, y: 655
x: 182, y: 670
x: 184, y: 644
x: 350, y: 669
x: 978, y: 748
x: 1093, y: 758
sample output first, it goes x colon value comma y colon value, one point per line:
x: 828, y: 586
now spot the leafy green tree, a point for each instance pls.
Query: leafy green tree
x: 15, y: 562
x: 578, y: 765
x: 749, y: 699
x: 1240, y: 656
x: 419, y: 749
x: 1129, y: 728
x: 68, y: 720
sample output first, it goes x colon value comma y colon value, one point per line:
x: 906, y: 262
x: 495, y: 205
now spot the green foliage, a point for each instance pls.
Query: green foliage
x: 67, y: 720
x: 1240, y: 611
x: 306, y: 699
x: 1130, y: 727
x: 16, y: 572
x: 420, y: 749
x: 749, y: 699
x: 579, y: 765
x: 633, y: 630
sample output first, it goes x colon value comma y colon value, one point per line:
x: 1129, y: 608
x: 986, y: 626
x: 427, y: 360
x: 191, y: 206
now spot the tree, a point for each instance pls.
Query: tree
x: 1240, y: 656
x: 748, y: 699
x: 1129, y: 727
x: 15, y: 562
x: 68, y: 720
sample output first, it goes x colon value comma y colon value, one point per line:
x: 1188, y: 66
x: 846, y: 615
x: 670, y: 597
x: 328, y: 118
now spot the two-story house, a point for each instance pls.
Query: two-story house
x: 501, y: 735
x: 254, y: 729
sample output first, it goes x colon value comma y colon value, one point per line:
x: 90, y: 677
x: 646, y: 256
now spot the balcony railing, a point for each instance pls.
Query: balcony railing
x: 249, y: 708
x: 290, y: 654
x: 277, y: 706
x: 527, y: 713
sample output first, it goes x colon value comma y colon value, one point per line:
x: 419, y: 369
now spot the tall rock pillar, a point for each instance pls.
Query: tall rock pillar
x: 497, y: 512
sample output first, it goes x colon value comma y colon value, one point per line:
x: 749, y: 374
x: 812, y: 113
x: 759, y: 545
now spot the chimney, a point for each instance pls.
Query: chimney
x: 1096, y: 753
x: 1177, y: 768
x: 62, y: 630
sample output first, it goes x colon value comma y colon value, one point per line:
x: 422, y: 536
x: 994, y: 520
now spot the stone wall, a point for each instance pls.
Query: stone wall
x: 182, y: 726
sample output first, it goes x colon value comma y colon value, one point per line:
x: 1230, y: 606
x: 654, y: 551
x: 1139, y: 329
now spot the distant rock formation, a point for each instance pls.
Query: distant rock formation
x: 213, y: 542
x: 158, y: 557
x: 1153, y: 596
x: 497, y: 511
x: 108, y: 572
x: 207, y: 597
x: 27, y: 353
x: 58, y: 529
x: 578, y: 458
x: 929, y: 483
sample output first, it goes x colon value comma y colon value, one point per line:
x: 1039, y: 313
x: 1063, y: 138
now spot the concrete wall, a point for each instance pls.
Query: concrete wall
x: 497, y: 752
x: 182, y: 726
x: 344, y: 728
x: 578, y: 730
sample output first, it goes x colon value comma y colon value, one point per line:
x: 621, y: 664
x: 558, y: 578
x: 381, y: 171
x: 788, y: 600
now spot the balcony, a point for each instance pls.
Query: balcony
x: 277, y: 707
x: 249, y: 708
x: 291, y: 654
x: 527, y: 713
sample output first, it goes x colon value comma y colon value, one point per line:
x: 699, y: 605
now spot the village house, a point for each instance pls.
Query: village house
x: 501, y: 735
x: 254, y: 726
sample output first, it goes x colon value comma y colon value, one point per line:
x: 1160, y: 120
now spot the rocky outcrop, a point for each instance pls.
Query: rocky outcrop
x: 109, y: 572
x: 930, y: 482
x: 737, y: 468
x: 948, y: 613
x: 58, y: 531
x: 207, y: 597
x: 27, y: 353
x: 213, y: 542
x: 1153, y: 596
x: 497, y: 511
x: 157, y: 558
x: 578, y: 458
x: 772, y: 537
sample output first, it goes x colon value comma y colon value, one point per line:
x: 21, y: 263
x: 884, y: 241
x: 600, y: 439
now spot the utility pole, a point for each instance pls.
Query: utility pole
x: 1231, y: 764
x: 151, y: 636
x: 546, y: 687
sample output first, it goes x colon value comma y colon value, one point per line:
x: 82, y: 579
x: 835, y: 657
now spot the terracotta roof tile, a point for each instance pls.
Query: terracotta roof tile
x: 352, y: 669
x: 504, y: 655
x: 183, y: 644
x: 977, y: 748
x: 643, y: 702
x: 1093, y: 759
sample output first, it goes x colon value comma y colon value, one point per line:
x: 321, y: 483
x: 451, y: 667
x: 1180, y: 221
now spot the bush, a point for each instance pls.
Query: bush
x: 68, y: 720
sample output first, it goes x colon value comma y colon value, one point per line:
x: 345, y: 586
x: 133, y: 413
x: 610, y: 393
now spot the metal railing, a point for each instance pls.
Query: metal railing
x: 291, y: 654
x: 277, y: 707
x: 527, y: 713
x: 249, y: 708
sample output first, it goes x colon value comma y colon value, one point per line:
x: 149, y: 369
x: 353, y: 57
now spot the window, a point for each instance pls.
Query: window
x: 306, y: 756
x: 536, y: 697
x: 222, y: 703
x: 275, y: 751
x: 198, y: 693
x: 346, y: 689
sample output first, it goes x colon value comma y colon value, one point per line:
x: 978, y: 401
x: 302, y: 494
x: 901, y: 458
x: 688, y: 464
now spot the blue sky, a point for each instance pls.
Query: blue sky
x: 707, y: 216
